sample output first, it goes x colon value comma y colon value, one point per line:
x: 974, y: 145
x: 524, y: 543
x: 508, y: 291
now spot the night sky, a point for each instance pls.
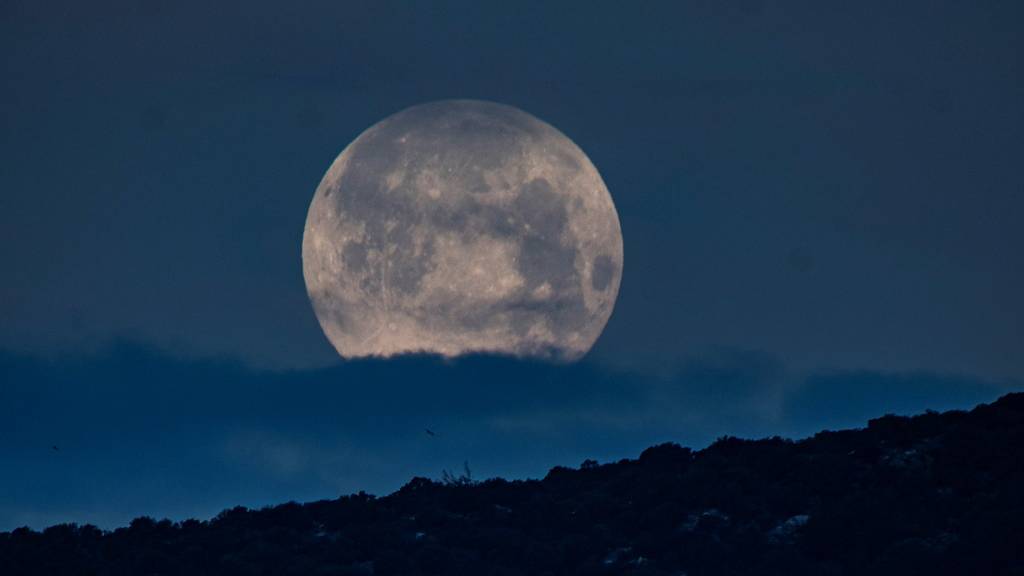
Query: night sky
x: 821, y: 206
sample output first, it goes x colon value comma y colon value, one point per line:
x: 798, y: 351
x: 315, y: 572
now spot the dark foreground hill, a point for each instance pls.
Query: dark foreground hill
x: 932, y: 494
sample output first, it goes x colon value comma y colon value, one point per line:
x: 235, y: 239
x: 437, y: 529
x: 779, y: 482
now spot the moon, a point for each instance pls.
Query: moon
x: 462, y: 226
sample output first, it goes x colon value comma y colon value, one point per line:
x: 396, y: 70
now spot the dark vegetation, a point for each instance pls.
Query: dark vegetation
x: 932, y: 494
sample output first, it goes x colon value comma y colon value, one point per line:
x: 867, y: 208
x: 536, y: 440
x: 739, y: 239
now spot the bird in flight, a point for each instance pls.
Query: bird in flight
x: 54, y: 448
x: 429, y: 432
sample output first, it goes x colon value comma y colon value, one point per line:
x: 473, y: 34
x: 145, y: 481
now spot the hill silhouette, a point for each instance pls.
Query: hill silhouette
x: 929, y: 494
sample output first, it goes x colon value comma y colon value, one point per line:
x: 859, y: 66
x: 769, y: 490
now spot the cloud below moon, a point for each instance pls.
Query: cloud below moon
x: 462, y: 226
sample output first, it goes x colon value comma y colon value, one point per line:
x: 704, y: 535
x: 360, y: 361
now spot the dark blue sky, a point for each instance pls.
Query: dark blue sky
x: 821, y: 205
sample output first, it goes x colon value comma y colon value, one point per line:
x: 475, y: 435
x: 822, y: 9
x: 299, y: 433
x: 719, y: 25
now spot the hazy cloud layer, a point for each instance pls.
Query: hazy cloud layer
x: 139, y: 432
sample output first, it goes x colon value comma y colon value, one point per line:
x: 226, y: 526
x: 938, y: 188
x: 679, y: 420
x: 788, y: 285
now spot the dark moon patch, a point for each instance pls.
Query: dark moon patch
x: 354, y: 256
x: 601, y: 272
x: 406, y: 268
x: 542, y: 262
x: 542, y: 209
x: 543, y: 257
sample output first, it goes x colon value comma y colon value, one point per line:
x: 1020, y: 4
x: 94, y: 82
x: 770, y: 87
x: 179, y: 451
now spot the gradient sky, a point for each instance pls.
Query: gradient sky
x: 821, y: 206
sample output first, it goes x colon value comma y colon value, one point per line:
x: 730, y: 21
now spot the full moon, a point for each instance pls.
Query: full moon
x: 462, y: 226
